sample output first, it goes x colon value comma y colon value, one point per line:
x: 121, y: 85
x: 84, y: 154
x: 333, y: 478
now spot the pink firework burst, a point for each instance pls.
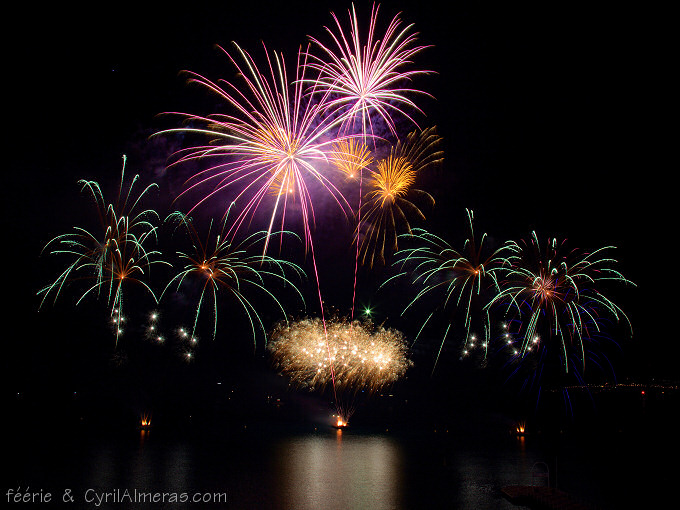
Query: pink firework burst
x: 364, y: 76
x: 270, y: 149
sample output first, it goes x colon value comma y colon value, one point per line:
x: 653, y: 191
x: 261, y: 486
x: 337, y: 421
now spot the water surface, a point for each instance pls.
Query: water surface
x: 323, y: 468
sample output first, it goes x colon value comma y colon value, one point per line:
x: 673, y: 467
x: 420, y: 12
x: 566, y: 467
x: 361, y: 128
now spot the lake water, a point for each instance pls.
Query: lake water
x: 263, y: 467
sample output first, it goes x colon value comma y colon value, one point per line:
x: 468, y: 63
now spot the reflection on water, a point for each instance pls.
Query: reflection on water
x: 322, y: 471
x: 122, y: 466
x: 335, y: 469
x: 329, y: 469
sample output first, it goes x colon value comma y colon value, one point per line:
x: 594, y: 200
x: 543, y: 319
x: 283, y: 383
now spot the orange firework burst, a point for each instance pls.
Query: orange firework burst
x: 391, y: 191
x: 350, y: 157
x: 393, y: 179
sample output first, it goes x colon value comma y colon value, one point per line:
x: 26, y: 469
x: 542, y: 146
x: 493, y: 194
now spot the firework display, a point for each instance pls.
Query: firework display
x: 457, y: 280
x: 273, y: 151
x: 363, y: 79
x: 299, y: 148
x: 352, y: 355
x: 553, y: 298
x: 391, y: 194
x: 364, y: 76
x: 223, y: 267
x: 269, y: 150
x: 115, y: 256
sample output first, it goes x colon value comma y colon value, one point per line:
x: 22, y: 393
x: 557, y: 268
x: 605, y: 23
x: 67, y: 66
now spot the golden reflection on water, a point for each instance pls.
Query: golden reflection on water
x: 345, y: 471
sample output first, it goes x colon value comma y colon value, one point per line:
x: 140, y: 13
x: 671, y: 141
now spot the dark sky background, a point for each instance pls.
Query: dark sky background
x: 549, y: 118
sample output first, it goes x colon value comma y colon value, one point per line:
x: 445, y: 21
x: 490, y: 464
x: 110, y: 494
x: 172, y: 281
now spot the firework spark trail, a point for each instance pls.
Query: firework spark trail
x: 553, y: 294
x: 223, y: 265
x: 115, y: 256
x: 351, y: 157
x: 391, y: 187
x: 433, y: 267
x: 356, y: 255
x: 362, y: 357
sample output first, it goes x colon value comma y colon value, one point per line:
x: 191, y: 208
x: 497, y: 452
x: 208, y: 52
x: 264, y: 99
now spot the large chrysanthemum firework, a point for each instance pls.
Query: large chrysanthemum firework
x: 367, y: 74
x: 270, y: 149
x: 116, y: 256
x: 553, y: 299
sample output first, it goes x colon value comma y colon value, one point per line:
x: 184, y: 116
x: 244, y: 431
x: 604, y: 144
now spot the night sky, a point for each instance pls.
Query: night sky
x: 549, y: 118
